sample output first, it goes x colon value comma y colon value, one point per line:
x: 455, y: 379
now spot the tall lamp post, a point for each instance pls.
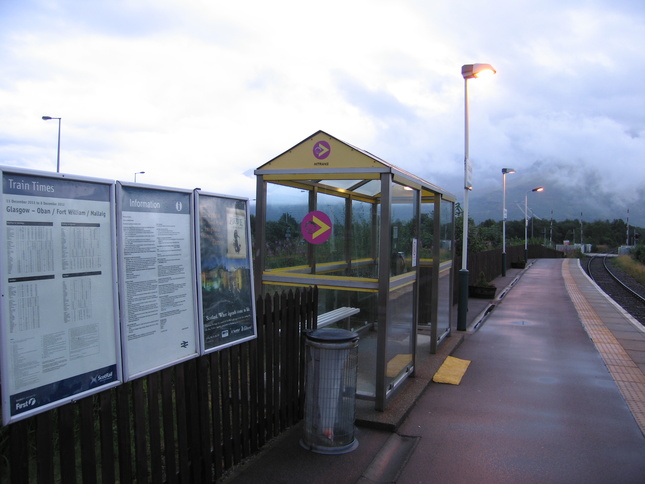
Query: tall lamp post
x: 138, y: 173
x: 526, y: 220
x: 468, y: 71
x: 505, y: 171
x: 47, y: 118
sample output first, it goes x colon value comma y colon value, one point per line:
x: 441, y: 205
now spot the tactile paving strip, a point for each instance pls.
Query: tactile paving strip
x: 627, y: 375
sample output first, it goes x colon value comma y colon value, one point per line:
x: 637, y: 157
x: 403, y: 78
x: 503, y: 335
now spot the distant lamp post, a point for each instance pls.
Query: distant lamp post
x: 505, y: 171
x: 526, y: 220
x: 47, y: 118
x: 138, y: 173
x: 468, y: 71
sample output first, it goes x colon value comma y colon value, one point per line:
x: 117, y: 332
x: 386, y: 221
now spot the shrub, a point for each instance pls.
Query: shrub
x: 638, y: 253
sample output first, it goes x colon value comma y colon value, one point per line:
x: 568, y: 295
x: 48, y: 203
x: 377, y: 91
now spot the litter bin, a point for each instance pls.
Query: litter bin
x: 331, y: 360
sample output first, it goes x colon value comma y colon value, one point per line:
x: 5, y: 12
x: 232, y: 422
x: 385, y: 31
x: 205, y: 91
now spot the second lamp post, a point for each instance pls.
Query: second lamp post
x: 505, y: 171
x: 526, y: 221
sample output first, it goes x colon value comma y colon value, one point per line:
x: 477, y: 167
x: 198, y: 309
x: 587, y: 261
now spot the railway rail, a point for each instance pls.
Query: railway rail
x: 622, y: 288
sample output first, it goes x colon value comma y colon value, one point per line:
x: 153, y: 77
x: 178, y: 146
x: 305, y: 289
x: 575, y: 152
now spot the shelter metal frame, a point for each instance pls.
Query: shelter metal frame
x: 351, y: 175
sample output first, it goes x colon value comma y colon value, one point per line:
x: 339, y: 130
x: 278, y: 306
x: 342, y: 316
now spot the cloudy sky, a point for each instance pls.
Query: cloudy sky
x: 198, y: 93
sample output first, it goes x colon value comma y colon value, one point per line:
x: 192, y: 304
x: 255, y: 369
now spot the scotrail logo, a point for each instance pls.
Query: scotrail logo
x: 25, y: 404
x: 100, y: 379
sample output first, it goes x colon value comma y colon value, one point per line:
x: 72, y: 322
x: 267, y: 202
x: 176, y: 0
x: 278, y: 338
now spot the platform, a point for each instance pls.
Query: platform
x: 555, y: 392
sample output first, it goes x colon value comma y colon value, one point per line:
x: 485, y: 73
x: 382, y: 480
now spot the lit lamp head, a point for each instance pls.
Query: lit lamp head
x: 538, y: 189
x: 470, y: 71
x: 506, y: 171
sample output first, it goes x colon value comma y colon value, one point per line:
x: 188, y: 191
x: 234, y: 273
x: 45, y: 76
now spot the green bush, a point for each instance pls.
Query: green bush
x: 638, y: 253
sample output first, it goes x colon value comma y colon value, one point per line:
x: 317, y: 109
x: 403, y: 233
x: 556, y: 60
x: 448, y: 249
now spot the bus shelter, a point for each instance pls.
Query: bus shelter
x: 376, y: 241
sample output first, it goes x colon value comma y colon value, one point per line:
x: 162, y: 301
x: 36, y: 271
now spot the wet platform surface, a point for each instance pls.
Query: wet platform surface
x: 555, y: 392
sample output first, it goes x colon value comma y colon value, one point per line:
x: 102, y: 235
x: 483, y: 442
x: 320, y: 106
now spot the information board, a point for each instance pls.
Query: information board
x: 226, y: 294
x: 58, y: 321
x: 157, y: 293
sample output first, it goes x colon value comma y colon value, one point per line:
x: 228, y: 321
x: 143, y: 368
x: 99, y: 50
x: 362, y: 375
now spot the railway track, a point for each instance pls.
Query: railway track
x: 621, y: 287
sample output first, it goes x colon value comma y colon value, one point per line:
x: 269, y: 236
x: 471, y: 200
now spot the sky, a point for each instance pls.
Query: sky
x: 199, y: 93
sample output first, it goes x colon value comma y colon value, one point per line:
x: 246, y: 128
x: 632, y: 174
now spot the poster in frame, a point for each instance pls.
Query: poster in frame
x: 224, y: 257
x: 157, y: 290
x: 59, y: 335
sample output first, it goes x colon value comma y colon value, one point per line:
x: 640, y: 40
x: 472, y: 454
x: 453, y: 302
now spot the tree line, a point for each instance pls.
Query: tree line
x: 600, y: 234
x: 283, y: 236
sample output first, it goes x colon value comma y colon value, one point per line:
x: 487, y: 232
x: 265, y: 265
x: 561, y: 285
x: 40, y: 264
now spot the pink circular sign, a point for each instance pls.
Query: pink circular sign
x: 316, y: 227
x: 322, y: 150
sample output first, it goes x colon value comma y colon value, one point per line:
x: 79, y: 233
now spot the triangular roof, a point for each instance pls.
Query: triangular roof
x: 322, y: 156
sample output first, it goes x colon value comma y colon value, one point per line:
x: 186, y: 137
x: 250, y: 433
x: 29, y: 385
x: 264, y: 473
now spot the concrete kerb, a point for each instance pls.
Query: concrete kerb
x: 481, y: 318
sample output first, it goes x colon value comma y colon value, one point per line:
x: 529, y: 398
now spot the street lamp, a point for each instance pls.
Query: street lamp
x: 505, y: 171
x: 468, y: 71
x: 47, y: 118
x: 138, y: 173
x: 526, y: 220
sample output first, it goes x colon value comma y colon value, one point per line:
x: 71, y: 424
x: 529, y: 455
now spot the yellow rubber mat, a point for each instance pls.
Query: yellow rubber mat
x: 451, y: 371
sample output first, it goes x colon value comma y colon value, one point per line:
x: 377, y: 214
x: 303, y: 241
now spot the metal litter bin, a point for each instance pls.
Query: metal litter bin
x: 331, y: 360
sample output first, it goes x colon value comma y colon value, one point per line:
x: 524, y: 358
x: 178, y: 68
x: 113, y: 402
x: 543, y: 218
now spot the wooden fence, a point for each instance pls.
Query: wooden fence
x: 187, y: 423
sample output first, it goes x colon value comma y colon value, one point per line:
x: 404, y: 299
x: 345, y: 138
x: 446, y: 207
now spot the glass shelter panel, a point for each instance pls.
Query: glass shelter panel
x: 404, y: 229
x: 362, y: 322
x: 285, y: 246
x: 333, y: 250
x: 364, y: 239
x: 427, y: 264
x: 349, y: 254
x: 400, y: 341
x: 447, y: 230
x: 446, y: 270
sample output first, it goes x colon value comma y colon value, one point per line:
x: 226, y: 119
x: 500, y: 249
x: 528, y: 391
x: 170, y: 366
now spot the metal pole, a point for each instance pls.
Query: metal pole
x: 526, y: 224
x: 504, y: 225
x: 58, y: 153
x: 462, y: 308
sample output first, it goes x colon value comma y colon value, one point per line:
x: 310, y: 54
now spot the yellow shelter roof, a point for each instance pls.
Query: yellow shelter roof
x: 328, y: 162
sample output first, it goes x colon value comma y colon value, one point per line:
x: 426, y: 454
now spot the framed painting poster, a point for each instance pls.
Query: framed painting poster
x: 157, y: 291
x: 226, y: 294
x: 59, y: 320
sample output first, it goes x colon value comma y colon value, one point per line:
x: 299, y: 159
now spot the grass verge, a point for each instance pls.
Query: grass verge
x: 632, y: 267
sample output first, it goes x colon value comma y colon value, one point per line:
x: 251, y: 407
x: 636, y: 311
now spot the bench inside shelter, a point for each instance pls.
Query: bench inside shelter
x: 335, y: 315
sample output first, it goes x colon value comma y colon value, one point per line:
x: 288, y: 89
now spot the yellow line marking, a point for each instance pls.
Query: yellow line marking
x: 628, y: 377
